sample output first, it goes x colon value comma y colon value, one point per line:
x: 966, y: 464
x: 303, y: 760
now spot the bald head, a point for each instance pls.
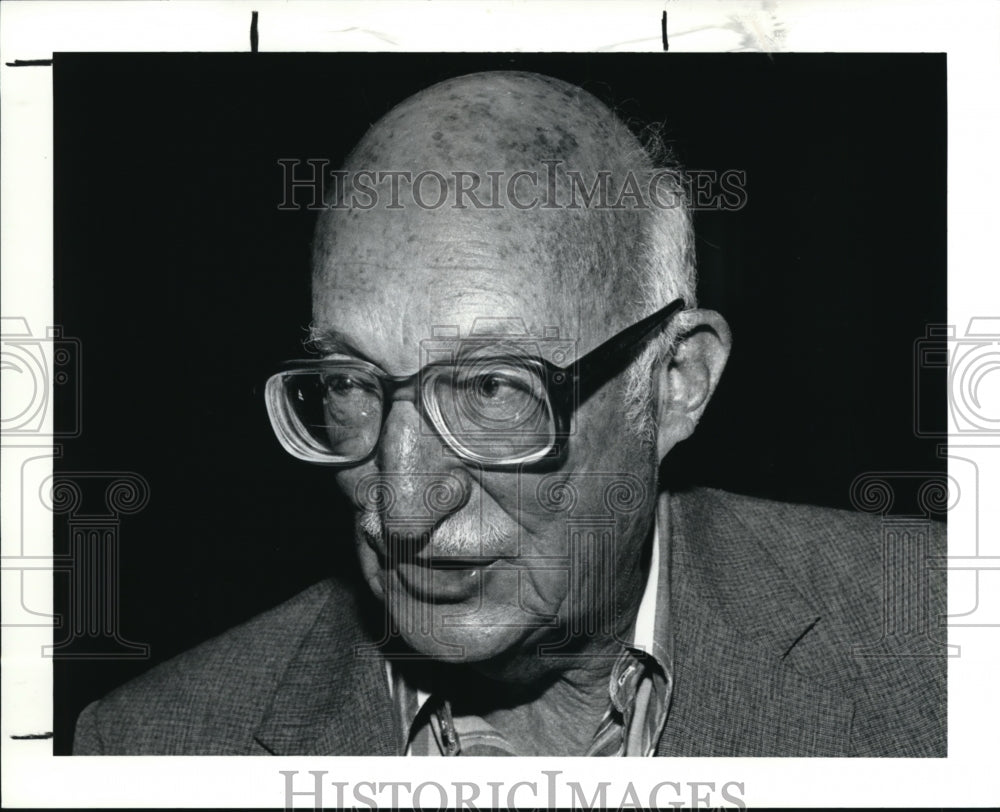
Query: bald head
x: 498, y: 120
x: 498, y: 194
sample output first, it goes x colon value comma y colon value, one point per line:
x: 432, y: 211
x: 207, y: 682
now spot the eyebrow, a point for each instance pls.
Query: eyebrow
x: 331, y: 341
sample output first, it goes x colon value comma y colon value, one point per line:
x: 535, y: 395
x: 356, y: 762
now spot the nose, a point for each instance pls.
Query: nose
x: 419, y: 481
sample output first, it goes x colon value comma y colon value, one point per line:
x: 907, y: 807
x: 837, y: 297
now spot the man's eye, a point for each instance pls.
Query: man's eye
x: 345, y: 385
x: 495, y: 386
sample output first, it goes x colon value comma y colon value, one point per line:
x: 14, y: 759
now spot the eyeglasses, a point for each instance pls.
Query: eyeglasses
x: 496, y: 402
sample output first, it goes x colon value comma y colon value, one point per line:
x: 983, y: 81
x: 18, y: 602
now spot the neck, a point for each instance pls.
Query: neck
x: 554, y: 715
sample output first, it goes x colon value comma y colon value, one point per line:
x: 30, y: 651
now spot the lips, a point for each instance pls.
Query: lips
x: 446, y: 562
x: 443, y: 579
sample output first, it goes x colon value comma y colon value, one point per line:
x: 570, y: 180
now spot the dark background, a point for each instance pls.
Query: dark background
x: 186, y: 286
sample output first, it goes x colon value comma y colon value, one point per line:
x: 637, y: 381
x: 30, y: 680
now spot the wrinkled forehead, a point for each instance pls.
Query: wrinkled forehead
x: 390, y: 281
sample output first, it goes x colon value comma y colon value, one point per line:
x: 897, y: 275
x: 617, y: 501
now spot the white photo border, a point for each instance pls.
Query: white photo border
x: 30, y: 31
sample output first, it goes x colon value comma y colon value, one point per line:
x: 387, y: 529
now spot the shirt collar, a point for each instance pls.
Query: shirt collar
x: 651, y: 631
x: 645, y: 620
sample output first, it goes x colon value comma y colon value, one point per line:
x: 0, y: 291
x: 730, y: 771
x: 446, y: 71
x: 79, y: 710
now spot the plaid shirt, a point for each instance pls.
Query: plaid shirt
x: 639, y: 691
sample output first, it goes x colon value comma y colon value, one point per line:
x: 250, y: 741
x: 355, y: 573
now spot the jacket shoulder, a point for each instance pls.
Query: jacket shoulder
x: 856, y: 572
x: 834, y: 557
x: 207, y: 700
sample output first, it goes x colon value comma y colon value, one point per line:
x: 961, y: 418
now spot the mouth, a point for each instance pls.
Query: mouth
x: 443, y: 579
x: 448, y: 562
x: 433, y: 576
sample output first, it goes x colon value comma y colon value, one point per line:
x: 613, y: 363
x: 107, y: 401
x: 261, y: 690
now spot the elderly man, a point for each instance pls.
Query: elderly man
x: 507, y: 347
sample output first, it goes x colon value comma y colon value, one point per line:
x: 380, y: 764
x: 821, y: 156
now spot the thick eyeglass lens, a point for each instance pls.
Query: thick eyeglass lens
x: 339, y: 408
x: 496, y: 409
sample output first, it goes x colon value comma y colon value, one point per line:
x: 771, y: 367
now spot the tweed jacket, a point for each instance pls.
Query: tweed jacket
x: 782, y: 647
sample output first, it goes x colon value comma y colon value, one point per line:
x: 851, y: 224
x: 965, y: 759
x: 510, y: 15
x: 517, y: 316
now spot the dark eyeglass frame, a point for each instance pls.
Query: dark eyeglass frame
x: 567, y: 387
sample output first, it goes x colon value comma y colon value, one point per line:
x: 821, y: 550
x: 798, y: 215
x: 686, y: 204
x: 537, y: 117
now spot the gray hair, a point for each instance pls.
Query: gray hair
x: 665, y: 267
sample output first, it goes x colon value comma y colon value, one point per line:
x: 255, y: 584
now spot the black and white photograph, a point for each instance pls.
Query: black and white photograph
x: 489, y: 445
x: 502, y: 403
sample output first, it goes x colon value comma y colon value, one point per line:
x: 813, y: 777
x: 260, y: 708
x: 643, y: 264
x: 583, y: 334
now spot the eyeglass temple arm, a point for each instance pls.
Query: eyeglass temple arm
x: 598, y: 365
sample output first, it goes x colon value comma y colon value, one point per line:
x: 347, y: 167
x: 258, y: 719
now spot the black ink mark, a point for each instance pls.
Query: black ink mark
x: 29, y: 63
x: 663, y: 31
x: 47, y: 735
x: 798, y: 639
x: 253, y: 32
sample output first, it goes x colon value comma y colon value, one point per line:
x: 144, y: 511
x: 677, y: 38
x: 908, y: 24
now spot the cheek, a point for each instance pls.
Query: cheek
x: 358, y: 485
x: 346, y: 481
x: 541, y: 589
x: 602, y: 436
x: 607, y: 477
x: 593, y: 516
x: 591, y: 582
x: 582, y: 545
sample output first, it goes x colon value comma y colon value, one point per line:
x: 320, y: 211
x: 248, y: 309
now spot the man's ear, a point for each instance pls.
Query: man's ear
x: 688, y: 377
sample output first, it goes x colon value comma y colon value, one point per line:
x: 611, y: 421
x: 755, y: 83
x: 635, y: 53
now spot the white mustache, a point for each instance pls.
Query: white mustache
x: 451, y: 536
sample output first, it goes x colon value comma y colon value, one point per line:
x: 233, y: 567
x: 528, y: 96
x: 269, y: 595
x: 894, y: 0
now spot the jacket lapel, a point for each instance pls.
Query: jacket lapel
x: 333, y: 699
x: 757, y: 672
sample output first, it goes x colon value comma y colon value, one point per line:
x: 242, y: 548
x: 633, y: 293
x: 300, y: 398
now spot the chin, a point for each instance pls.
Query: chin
x: 443, y: 639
